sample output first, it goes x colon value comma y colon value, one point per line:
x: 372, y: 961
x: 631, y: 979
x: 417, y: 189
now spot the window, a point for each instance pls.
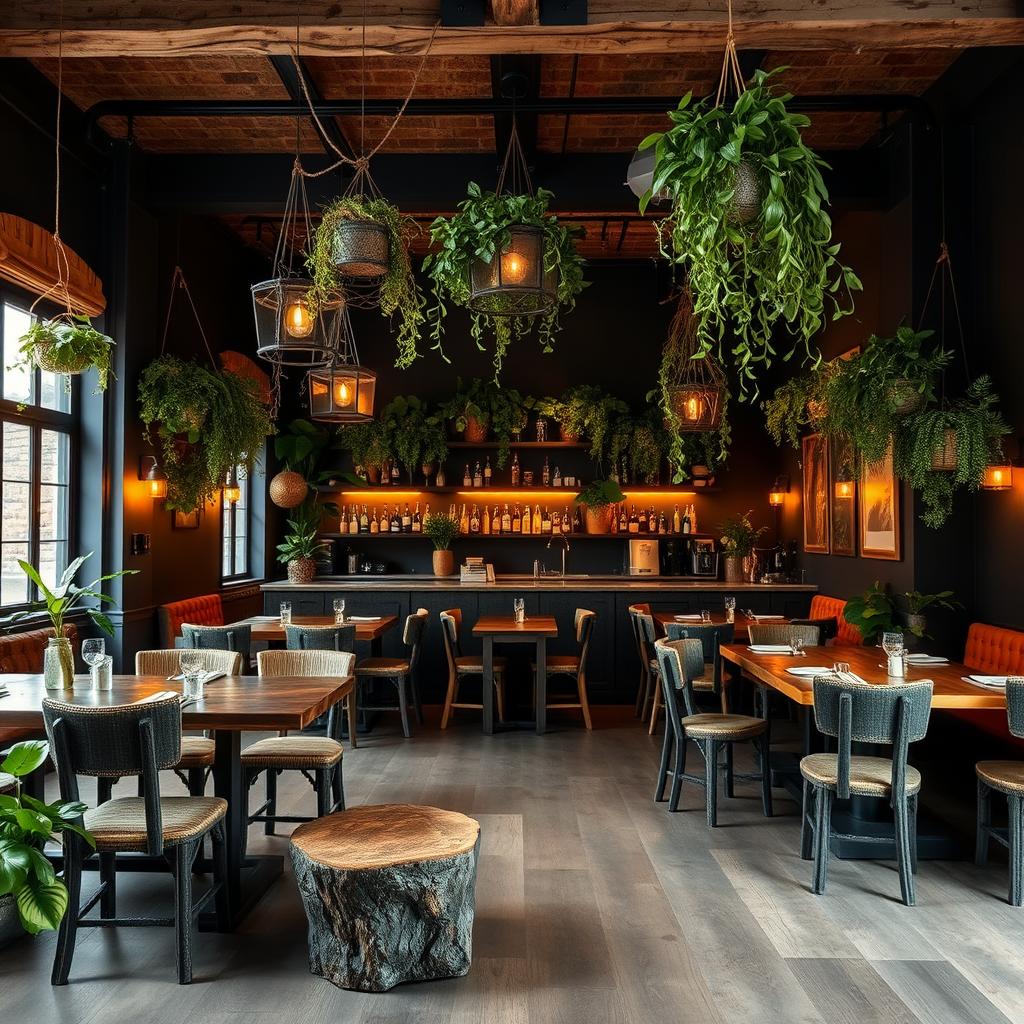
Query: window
x: 37, y: 439
x: 235, y: 521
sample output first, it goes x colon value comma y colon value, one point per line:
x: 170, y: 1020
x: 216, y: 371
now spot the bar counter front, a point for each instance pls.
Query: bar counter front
x: 612, y: 665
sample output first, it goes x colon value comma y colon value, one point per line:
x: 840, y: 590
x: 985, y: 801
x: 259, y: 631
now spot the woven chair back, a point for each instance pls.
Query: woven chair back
x: 313, y: 664
x: 873, y: 709
x: 679, y: 662
x: 451, y: 623
x: 783, y: 633
x: 320, y: 638
x: 828, y: 629
x: 1015, y: 705
x: 218, y: 638
x: 584, y: 621
x: 168, y: 663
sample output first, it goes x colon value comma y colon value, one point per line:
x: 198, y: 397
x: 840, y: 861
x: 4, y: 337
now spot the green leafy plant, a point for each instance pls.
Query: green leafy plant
x: 68, y: 345
x: 415, y: 434
x: 739, y: 535
x: 600, y: 494
x: 977, y: 425
x: 478, y: 232
x: 502, y: 409
x: 25, y: 826
x: 792, y: 407
x: 872, y: 613
x: 305, y: 447
x: 918, y: 603
x: 637, y: 445
x: 300, y: 539
x: 441, y: 529
x: 777, y: 269
x: 586, y: 410
x: 368, y: 444
x: 399, y: 291
x: 207, y: 422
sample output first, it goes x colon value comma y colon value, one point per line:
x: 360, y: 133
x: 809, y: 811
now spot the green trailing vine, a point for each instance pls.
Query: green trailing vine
x: 502, y: 410
x: 69, y: 345
x: 636, y: 447
x: 399, y: 291
x: 751, y: 276
x: 586, y: 410
x: 414, y: 434
x: 206, y: 422
x: 479, y: 231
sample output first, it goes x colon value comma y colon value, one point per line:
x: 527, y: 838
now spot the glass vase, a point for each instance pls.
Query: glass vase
x: 58, y: 664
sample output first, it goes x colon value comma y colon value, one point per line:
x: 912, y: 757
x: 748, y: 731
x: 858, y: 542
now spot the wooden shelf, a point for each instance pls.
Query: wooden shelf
x: 520, y: 444
x: 506, y: 491
x: 518, y: 536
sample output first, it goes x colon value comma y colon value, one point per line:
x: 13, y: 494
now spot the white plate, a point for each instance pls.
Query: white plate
x: 810, y: 670
x: 686, y: 618
x: 926, y: 659
x: 767, y: 618
x: 770, y: 648
x: 995, y: 682
x: 363, y: 618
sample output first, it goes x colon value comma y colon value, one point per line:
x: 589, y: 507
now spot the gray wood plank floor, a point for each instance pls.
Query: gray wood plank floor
x: 593, y: 905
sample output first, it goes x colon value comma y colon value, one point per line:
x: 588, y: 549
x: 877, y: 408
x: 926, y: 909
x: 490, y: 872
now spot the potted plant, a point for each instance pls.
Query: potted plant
x: 369, y: 446
x: 441, y: 530
x: 416, y: 435
x: 872, y: 613
x: 793, y: 407
x: 58, y: 603
x: 478, y: 234
x: 28, y: 883
x: 948, y: 446
x: 759, y: 266
x: 916, y: 604
x: 598, y: 499
x: 482, y: 408
x: 70, y: 345
x: 300, y: 548
x: 636, y: 447
x: 362, y: 237
x: 207, y: 422
x: 739, y: 538
x: 588, y: 411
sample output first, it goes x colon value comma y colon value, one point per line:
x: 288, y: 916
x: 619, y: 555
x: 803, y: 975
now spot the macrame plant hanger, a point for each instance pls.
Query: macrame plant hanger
x: 178, y: 283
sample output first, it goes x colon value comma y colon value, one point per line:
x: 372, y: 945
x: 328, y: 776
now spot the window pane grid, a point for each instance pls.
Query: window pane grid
x: 235, y: 531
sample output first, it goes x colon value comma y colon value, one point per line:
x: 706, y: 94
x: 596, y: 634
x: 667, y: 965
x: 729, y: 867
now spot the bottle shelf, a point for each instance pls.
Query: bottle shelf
x: 381, y: 490
x: 519, y: 536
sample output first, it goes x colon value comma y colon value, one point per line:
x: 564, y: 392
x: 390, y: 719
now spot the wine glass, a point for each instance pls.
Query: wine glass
x: 892, y: 644
x: 705, y: 616
x: 797, y: 646
x: 339, y: 610
x: 192, y: 668
x: 93, y: 650
x: 730, y: 608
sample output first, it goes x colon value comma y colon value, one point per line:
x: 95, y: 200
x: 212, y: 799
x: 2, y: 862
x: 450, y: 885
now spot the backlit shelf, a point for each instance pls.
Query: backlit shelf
x: 518, y: 536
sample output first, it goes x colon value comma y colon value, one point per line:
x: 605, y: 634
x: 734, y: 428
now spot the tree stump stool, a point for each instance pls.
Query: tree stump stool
x: 389, y: 893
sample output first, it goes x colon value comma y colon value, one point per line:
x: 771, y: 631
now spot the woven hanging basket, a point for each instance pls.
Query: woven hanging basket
x: 905, y: 397
x: 360, y: 249
x: 42, y: 356
x: 746, y: 196
x: 695, y: 392
x: 944, y: 456
x: 288, y: 489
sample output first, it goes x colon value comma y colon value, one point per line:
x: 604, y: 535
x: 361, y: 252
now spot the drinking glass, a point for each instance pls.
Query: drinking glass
x: 192, y: 669
x: 102, y: 672
x: 730, y: 609
x: 797, y: 645
x: 892, y: 644
x: 286, y: 613
x: 93, y: 650
x: 339, y: 610
x: 705, y: 616
x: 519, y: 610
x: 840, y: 668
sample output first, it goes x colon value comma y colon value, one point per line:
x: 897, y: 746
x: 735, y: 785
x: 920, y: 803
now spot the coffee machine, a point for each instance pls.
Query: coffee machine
x: 690, y: 556
x: 644, y: 557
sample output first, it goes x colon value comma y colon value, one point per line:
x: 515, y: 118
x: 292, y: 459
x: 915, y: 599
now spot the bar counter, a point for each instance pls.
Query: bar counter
x: 613, y: 670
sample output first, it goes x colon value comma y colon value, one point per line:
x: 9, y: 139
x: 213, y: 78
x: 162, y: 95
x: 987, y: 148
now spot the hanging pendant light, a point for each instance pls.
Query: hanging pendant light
x: 695, y: 392
x: 343, y: 392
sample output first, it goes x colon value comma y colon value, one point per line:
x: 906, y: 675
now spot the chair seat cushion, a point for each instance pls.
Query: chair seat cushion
x: 569, y: 663
x: 8, y: 783
x: 703, y: 684
x: 293, y: 752
x: 1006, y: 776
x: 383, y: 667
x: 713, y: 726
x: 196, y: 752
x: 869, y: 776
x: 121, y: 824
x: 470, y: 663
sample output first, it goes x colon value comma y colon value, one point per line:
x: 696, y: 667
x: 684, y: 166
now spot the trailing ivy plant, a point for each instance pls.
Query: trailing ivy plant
x: 588, y: 411
x: 368, y: 444
x: 777, y: 269
x: 399, y: 291
x: 415, y: 434
x: 206, y: 423
x: 789, y: 410
x: 478, y: 232
x: 636, y: 447
x: 978, y: 426
x: 68, y: 345
x: 503, y: 410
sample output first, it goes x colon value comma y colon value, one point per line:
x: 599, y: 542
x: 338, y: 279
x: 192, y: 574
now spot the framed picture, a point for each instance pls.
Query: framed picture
x: 843, y: 490
x: 879, y: 510
x: 185, y: 520
x: 816, y: 487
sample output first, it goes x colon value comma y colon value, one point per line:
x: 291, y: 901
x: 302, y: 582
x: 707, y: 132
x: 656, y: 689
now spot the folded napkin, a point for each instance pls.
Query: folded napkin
x: 164, y: 694
x: 686, y: 618
x: 766, y: 618
x: 926, y: 659
x: 770, y: 648
x: 363, y: 618
x: 993, y: 682
x: 208, y: 677
x: 810, y: 670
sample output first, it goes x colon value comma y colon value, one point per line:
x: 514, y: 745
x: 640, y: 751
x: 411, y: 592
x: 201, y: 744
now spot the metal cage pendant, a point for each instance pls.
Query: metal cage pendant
x: 287, y: 331
x: 343, y: 391
x: 694, y: 385
x: 514, y: 282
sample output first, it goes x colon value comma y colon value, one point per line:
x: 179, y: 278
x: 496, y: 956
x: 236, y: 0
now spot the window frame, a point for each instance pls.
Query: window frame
x: 37, y: 419
x: 229, y: 531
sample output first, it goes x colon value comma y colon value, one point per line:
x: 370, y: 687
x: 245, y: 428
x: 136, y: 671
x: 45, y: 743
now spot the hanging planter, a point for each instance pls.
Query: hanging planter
x: 514, y: 281
x: 944, y: 453
x: 68, y: 344
x: 358, y: 248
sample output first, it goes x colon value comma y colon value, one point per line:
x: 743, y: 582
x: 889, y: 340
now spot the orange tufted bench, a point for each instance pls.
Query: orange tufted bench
x: 823, y: 607
x: 23, y: 652
x: 996, y: 651
x: 196, y: 611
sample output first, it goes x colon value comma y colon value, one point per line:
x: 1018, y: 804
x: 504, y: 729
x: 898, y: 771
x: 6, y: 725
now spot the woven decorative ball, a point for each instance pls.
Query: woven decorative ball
x: 288, y: 489
x: 746, y: 196
x: 301, y: 570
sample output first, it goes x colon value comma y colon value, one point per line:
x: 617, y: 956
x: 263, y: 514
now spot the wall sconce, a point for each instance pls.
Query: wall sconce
x: 845, y: 488
x: 154, y: 477
x: 232, y: 492
x: 778, y: 492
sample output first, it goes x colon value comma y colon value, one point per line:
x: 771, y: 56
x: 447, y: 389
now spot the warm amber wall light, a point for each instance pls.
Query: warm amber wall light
x: 776, y: 498
x: 997, y: 478
x: 844, y: 488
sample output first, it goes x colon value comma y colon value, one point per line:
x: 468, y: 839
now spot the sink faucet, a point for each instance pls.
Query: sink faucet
x: 565, y: 547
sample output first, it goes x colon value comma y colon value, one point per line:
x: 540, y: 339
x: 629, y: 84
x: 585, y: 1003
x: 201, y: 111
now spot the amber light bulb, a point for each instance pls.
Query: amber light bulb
x: 844, y: 489
x: 514, y: 267
x: 298, y: 321
x: 343, y: 392
x: 693, y: 409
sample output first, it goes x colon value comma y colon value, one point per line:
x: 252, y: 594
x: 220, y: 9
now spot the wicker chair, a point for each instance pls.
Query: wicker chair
x: 398, y: 671
x: 643, y: 695
x: 783, y: 633
x: 317, y: 757
x: 219, y: 638
x: 197, y: 752
x: 711, y: 637
x: 133, y: 739
x: 647, y: 632
x: 680, y: 661
x: 853, y: 712
x: 1006, y: 777
x: 327, y: 638
x: 828, y: 629
x: 461, y: 665
x: 572, y: 665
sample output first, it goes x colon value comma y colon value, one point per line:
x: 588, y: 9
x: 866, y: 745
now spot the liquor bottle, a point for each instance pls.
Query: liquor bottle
x: 496, y: 523
x: 677, y: 523
x: 557, y: 482
x: 407, y: 520
x: 577, y: 521
x: 662, y: 524
x: 634, y: 523
x: 517, y: 520
x: 353, y: 522
x: 506, y: 519
x: 641, y: 524
x: 623, y: 521
x: 538, y: 523
x: 343, y: 520
x: 527, y: 526
x: 556, y: 521
x: 396, y: 521
x: 374, y: 525
x: 364, y: 522
x: 545, y: 473
x: 515, y: 469
x: 474, y: 520
x: 487, y: 472
x: 395, y: 474
x: 417, y: 519
x: 687, y: 525
x: 693, y: 519
x: 486, y: 523
x: 467, y: 479
x: 463, y: 520
x: 545, y: 523
x: 478, y: 477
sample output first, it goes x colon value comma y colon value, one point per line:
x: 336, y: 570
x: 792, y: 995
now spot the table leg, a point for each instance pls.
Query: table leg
x: 377, y: 646
x: 542, y: 685
x: 487, y: 686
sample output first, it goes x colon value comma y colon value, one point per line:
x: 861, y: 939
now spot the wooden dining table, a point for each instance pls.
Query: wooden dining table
x: 230, y: 706
x: 741, y: 622
x: 269, y: 628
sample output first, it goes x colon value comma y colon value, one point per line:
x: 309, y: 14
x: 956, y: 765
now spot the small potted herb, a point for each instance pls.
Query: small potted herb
x: 69, y: 345
x: 482, y: 408
x: 739, y: 538
x: 300, y: 549
x: 369, y: 446
x: 441, y: 529
x: 598, y: 499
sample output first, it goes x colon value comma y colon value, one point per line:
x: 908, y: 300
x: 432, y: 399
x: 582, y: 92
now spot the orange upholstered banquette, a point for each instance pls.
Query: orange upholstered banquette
x: 196, y: 611
x: 993, y: 650
x: 823, y: 607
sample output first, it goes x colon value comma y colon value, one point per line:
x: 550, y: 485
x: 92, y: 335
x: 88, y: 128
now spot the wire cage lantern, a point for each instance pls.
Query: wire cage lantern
x: 694, y: 385
x: 343, y: 391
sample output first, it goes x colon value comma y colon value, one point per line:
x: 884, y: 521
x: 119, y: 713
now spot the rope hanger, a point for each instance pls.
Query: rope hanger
x: 731, y: 73
x: 178, y: 282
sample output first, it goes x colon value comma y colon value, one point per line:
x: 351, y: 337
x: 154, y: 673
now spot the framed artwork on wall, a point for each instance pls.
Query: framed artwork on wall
x: 843, y: 491
x: 880, y: 510
x: 815, y: 494
x: 185, y: 520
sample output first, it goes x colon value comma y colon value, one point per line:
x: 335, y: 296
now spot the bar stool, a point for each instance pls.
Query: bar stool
x: 461, y: 665
x: 572, y: 665
x: 399, y: 671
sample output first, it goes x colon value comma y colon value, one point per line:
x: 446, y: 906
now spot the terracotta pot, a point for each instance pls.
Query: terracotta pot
x: 599, y: 520
x: 373, y: 474
x: 905, y: 397
x: 733, y: 568
x: 476, y: 430
x: 944, y: 456
x: 301, y: 570
x: 444, y: 563
x: 569, y: 435
x: 288, y: 489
